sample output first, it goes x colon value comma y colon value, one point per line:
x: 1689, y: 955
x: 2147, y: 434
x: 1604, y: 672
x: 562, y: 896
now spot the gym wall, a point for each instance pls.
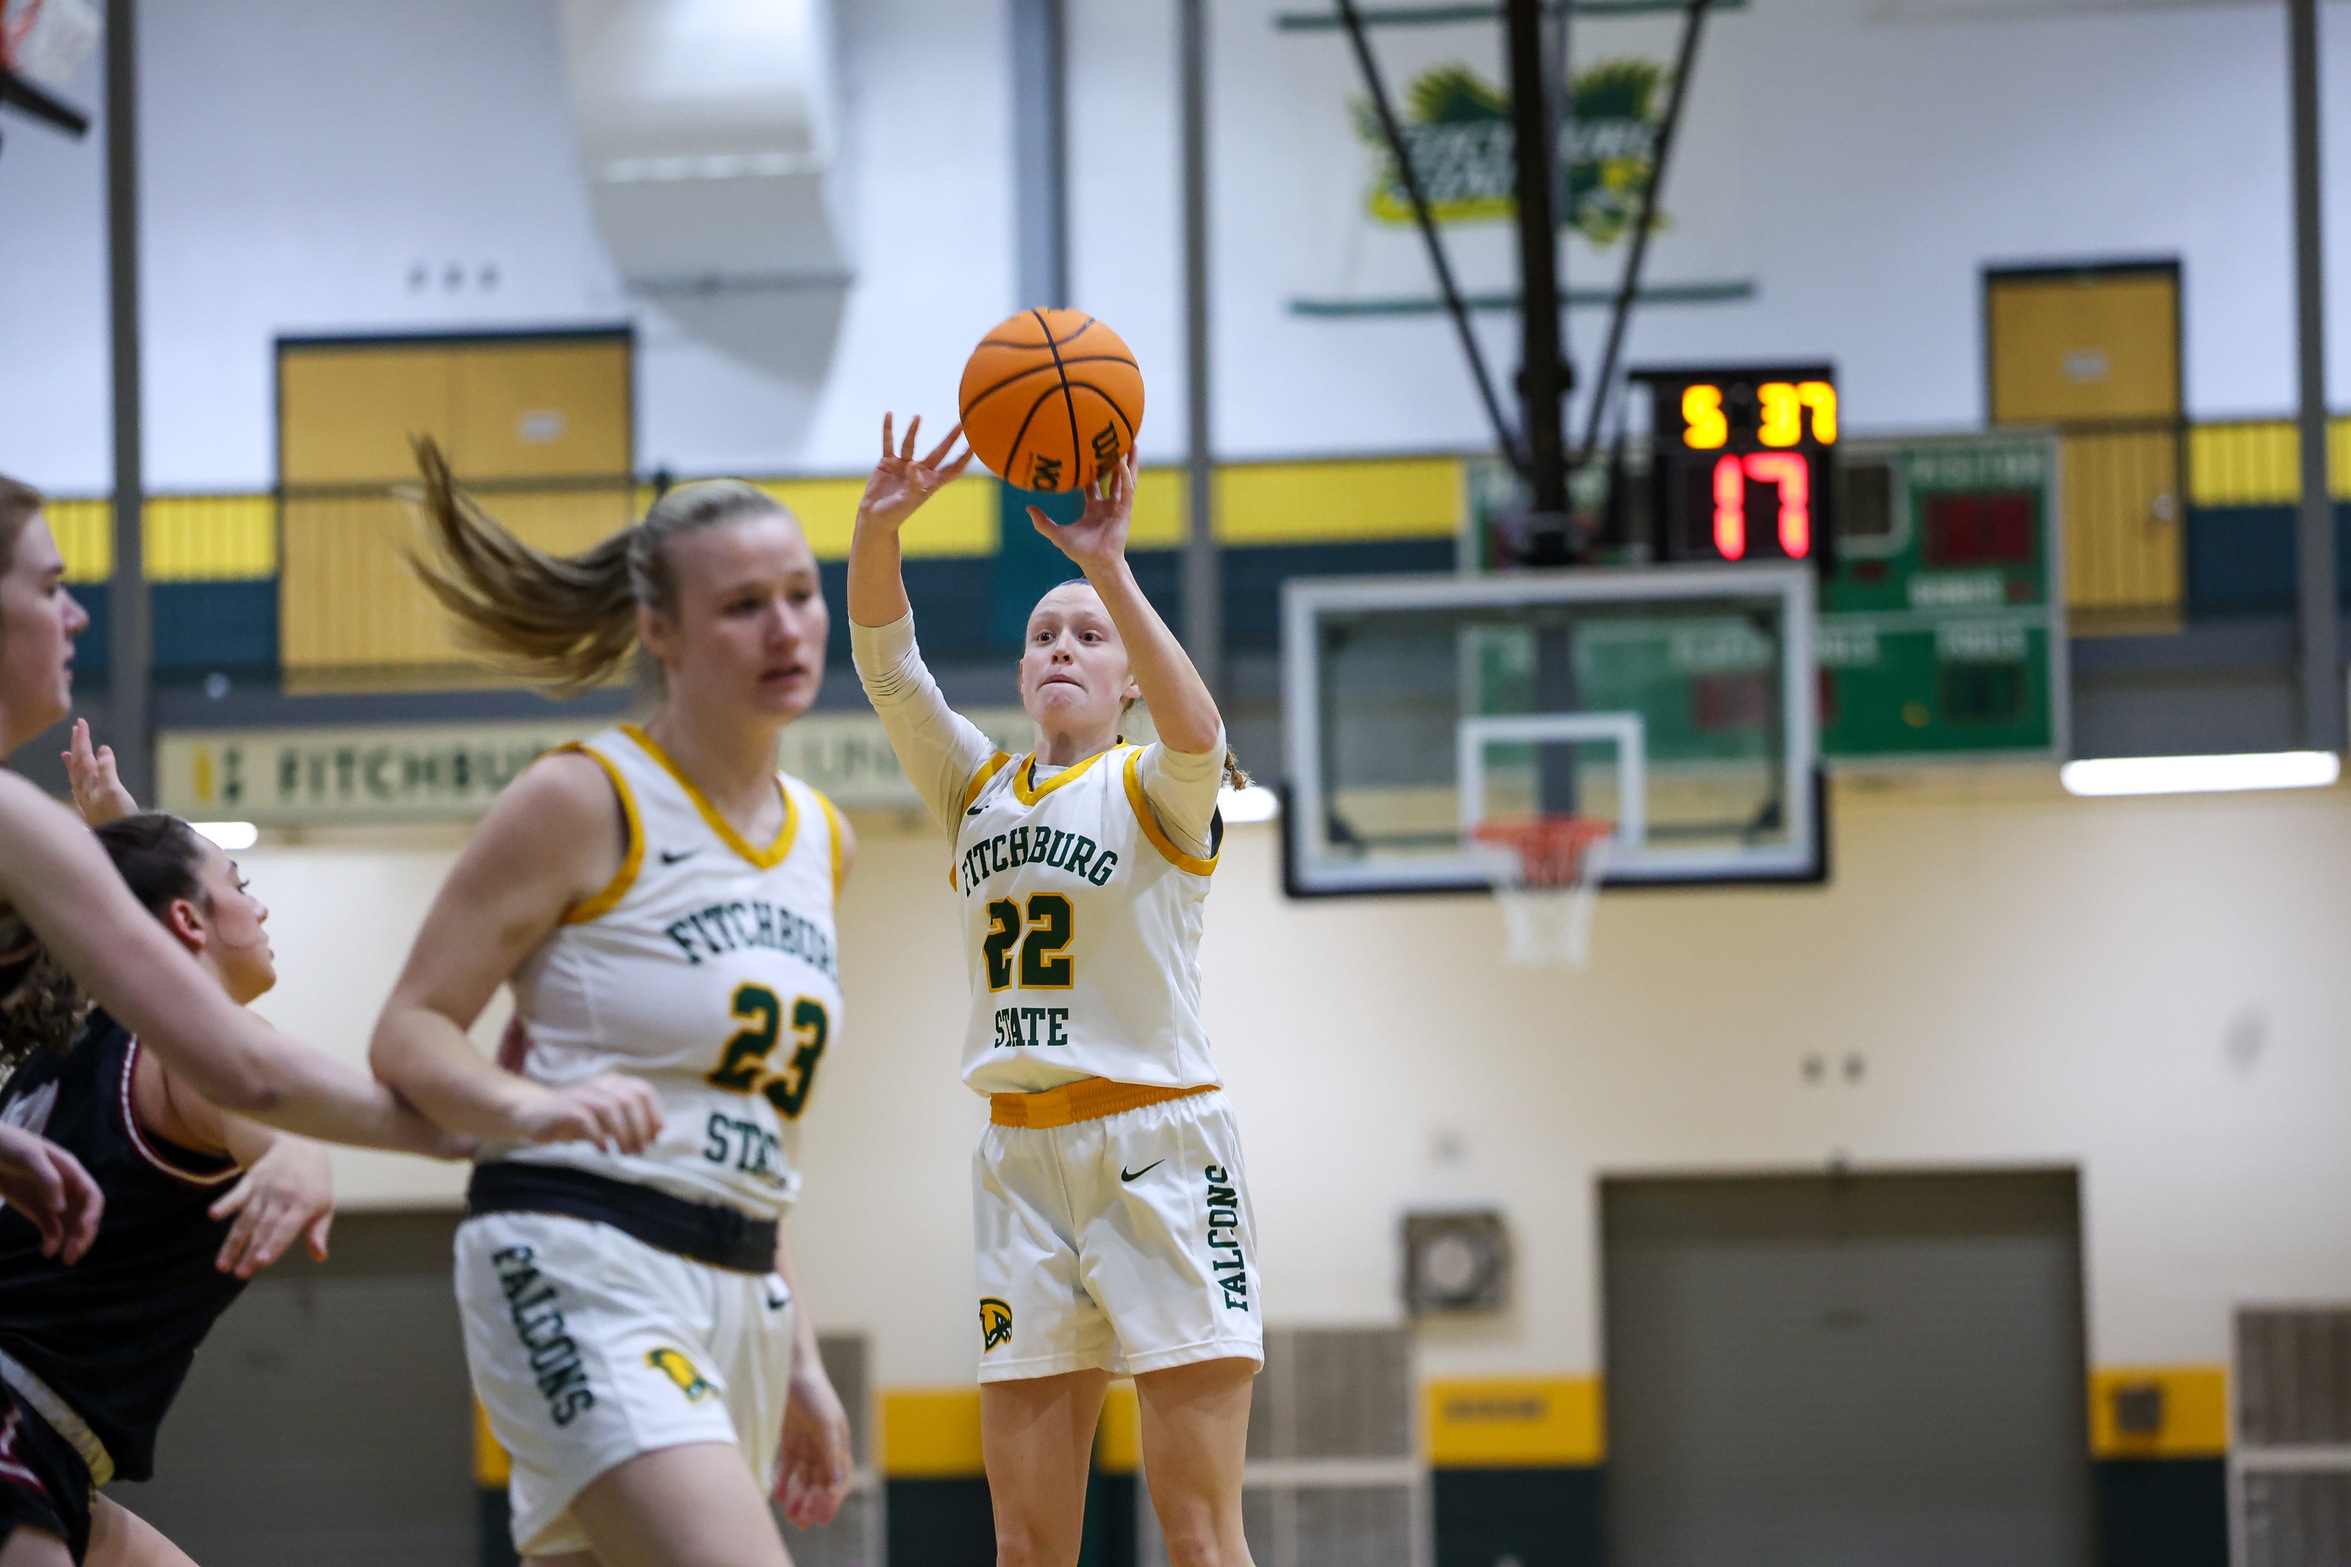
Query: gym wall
x: 2147, y: 990
x: 302, y: 162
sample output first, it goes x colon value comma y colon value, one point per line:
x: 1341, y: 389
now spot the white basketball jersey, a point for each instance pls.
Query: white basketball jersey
x: 1082, y: 922
x: 708, y: 969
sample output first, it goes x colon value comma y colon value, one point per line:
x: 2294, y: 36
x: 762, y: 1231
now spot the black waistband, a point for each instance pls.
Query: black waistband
x: 704, y: 1232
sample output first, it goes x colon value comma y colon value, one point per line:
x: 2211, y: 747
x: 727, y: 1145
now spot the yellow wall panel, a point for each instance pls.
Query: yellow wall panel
x: 2084, y: 346
x: 959, y: 520
x: 1160, y: 520
x: 2123, y: 516
x: 931, y: 1433
x: 345, y: 413
x: 2193, y: 1402
x: 207, y: 538
x: 85, y: 537
x: 1334, y: 502
x: 1340, y: 501
x: 557, y: 410
x: 492, y: 1466
x: 348, y: 601
x: 1506, y: 1422
x: 505, y: 409
x: 2259, y: 462
x: 1118, y: 1440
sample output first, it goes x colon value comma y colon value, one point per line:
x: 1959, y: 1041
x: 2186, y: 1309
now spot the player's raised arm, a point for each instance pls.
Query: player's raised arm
x: 941, y: 751
x: 1182, y: 709
x: 900, y: 484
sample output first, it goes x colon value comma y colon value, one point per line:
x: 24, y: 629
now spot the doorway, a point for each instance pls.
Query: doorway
x: 1846, y: 1370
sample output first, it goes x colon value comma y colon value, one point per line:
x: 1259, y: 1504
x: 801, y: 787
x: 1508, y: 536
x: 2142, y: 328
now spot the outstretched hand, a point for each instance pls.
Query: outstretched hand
x: 288, y: 1194
x: 901, y: 482
x: 1099, y: 538
x: 97, y: 788
x: 49, y: 1186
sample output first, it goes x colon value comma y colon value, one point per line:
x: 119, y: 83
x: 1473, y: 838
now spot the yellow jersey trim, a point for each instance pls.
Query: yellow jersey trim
x: 632, y: 854
x: 979, y: 780
x: 833, y: 820
x: 1028, y: 791
x: 1087, y: 1099
x: 1150, y: 822
x: 766, y: 859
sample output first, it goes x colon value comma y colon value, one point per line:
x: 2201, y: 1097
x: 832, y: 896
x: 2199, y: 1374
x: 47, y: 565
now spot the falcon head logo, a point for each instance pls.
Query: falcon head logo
x: 995, y: 1324
x: 675, y: 1366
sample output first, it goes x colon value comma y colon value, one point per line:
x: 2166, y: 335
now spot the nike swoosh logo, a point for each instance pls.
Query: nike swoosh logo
x: 1126, y: 1174
x: 774, y: 1304
x: 975, y: 810
x: 672, y: 856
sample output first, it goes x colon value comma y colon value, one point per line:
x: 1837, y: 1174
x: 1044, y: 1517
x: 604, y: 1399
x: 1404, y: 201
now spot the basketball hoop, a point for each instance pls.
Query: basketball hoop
x: 1547, y: 879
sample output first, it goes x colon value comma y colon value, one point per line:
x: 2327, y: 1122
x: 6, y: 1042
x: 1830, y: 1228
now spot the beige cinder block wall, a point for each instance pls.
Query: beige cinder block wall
x: 2154, y: 990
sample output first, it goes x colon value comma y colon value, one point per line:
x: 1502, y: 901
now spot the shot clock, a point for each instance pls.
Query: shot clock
x: 1743, y: 462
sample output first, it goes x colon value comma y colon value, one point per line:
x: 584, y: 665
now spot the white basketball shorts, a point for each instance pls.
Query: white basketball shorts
x: 1123, y: 1243
x: 588, y: 1347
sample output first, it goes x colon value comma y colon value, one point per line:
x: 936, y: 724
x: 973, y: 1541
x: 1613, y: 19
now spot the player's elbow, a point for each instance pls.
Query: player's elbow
x: 388, y: 1054
x: 240, y: 1082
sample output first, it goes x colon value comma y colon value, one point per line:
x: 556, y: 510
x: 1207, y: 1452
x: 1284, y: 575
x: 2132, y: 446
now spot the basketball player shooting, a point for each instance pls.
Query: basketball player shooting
x: 1112, y: 1214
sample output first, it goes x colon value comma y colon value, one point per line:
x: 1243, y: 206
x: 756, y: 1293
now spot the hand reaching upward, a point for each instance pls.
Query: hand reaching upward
x: 1099, y: 538
x: 97, y: 788
x: 901, y: 482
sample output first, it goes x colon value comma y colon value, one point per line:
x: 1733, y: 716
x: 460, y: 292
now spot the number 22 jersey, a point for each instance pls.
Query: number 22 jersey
x: 707, y: 968
x: 1082, y: 924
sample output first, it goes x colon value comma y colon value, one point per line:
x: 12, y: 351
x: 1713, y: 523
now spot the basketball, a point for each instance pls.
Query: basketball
x: 1050, y: 398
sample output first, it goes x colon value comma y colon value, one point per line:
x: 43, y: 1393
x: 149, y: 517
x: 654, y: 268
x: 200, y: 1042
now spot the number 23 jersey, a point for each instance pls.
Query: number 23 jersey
x: 1082, y: 924
x: 707, y: 968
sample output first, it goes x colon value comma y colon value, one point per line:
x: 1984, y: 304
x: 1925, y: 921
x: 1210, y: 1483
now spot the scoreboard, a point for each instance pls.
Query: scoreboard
x: 1742, y: 462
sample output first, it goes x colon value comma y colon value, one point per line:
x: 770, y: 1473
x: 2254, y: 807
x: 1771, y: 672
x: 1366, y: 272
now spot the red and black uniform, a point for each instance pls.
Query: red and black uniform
x: 92, y: 1355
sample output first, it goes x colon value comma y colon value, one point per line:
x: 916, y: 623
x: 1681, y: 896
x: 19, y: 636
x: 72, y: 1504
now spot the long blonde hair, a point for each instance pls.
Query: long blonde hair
x: 570, y: 620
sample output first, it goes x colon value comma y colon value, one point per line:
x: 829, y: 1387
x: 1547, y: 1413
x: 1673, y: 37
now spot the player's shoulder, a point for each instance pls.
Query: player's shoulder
x: 561, y: 805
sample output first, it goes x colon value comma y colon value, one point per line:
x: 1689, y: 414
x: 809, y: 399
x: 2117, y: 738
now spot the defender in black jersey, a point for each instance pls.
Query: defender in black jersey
x: 92, y: 1353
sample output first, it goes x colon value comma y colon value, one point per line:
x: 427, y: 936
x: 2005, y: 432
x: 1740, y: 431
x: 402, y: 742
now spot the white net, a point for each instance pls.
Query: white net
x: 1547, y: 876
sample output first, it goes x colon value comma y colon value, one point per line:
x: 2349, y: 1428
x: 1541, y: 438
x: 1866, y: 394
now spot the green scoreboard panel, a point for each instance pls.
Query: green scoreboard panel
x: 1942, y: 619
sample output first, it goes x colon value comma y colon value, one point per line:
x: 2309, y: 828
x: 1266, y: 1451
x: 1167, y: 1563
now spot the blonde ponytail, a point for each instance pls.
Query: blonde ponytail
x: 1235, y: 775
x: 570, y: 620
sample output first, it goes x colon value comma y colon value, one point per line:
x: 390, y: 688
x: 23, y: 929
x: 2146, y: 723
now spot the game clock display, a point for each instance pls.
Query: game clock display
x: 1743, y: 462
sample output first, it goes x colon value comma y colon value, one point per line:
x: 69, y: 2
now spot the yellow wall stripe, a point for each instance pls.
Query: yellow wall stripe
x: 189, y: 538
x: 491, y: 1465
x: 1512, y: 1422
x: 2258, y: 462
x: 2191, y: 1405
x: 210, y: 538
x: 931, y: 1433
x: 1118, y: 1440
x: 85, y: 537
x: 1341, y: 501
x: 1346, y: 500
x: 959, y: 520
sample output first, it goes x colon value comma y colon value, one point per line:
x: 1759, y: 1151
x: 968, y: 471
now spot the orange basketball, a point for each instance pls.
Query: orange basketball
x: 1050, y: 399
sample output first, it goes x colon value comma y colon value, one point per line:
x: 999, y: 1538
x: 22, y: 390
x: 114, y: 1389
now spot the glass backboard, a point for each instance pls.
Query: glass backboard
x: 1677, y: 704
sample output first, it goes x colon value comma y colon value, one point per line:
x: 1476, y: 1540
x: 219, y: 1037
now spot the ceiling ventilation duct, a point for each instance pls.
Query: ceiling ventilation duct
x: 709, y: 137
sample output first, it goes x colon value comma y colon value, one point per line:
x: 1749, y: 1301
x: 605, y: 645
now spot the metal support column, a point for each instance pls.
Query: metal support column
x: 1203, y: 571
x: 1543, y: 372
x: 2322, y: 666
x: 130, y: 641
x: 1040, y: 152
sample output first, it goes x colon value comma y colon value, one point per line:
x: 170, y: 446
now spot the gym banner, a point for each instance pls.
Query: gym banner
x: 1359, y: 252
x: 438, y: 772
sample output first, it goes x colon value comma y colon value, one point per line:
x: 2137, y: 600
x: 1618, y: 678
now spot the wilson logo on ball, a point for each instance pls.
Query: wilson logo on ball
x: 1050, y: 398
